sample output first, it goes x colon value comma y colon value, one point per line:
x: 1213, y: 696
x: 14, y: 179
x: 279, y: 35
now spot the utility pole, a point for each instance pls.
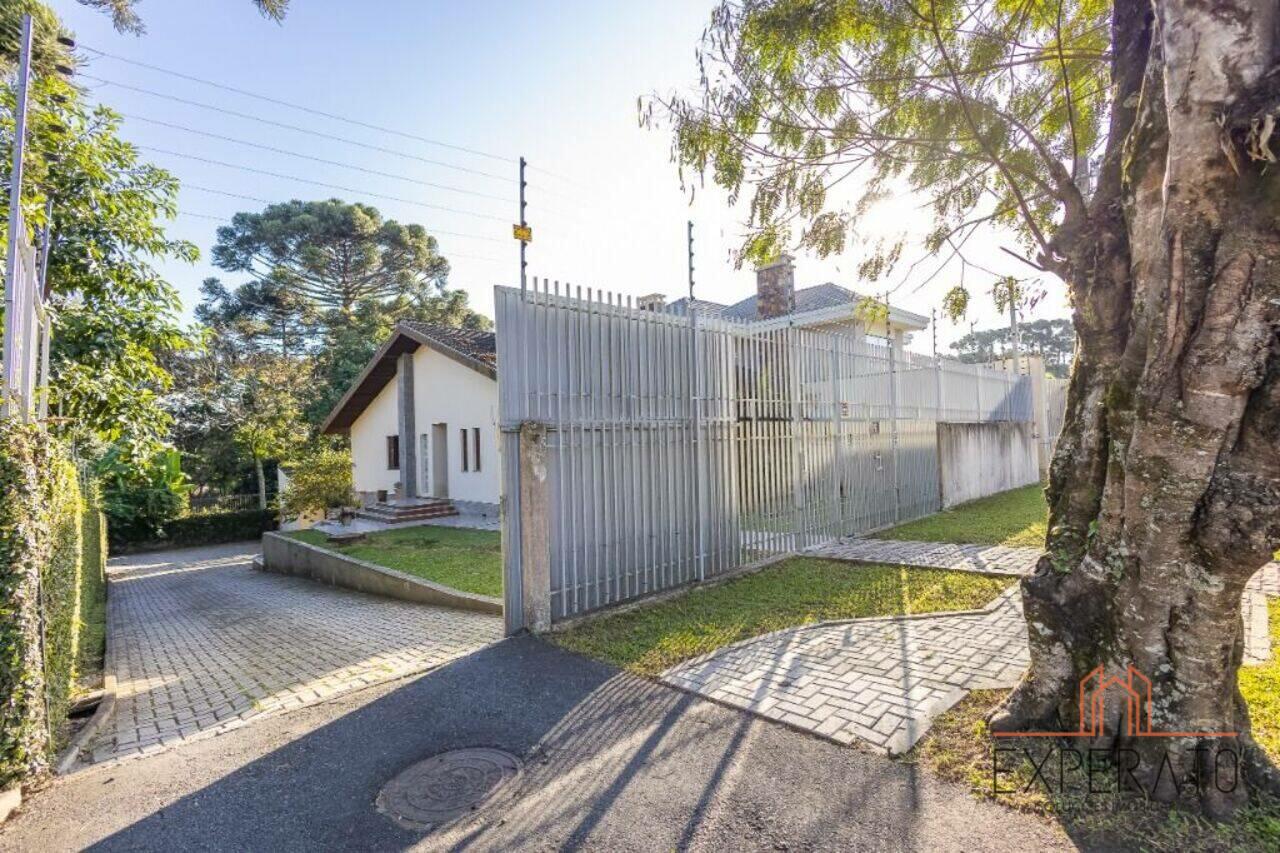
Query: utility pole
x: 12, y: 322
x: 690, y: 224
x: 1013, y: 327
x: 522, y: 232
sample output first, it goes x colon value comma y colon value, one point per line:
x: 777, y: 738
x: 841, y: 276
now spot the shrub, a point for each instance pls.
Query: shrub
x: 203, y: 529
x: 140, y: 498
x: 24, y: 542
x: 60, y: 585
x: 318, y: 481
x: 91, y: 641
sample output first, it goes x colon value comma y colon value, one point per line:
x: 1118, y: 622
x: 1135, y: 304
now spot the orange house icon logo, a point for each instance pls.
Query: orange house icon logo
x: 1133, y: 689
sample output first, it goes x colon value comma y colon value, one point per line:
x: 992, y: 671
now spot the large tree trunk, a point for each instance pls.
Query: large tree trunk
x: 1165, y: 489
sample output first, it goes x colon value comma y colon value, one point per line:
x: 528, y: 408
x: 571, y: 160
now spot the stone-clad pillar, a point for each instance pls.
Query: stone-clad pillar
x: 408, y: 430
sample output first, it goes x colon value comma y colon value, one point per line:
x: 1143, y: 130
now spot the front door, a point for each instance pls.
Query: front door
x: 440, y: 460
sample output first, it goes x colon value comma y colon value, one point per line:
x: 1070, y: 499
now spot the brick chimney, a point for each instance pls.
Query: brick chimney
x: 776, y: 288
x: 651, y: 302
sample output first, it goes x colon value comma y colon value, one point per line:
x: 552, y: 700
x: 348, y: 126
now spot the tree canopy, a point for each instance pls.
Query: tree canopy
x: 124, y: 14
x: 335, y: 253
x: 814, y: 111
x: 1053, y: 340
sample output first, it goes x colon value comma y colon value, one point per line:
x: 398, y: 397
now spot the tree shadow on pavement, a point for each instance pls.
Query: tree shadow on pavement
x: 612, y: 761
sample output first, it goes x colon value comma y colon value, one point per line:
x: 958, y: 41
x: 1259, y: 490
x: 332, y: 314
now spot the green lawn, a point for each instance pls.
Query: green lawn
x: 467, y: 560
x: 798, y: 591
x: 1014, y: 518
x: 1260, y: 686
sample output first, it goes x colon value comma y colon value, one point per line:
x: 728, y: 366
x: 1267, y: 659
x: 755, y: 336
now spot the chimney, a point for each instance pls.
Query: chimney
x: 776, y: 288
x: 652, y: 302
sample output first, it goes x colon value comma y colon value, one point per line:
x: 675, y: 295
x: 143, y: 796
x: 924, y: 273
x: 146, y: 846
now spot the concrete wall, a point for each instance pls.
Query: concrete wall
x: 976, y: 460
x: 287, y: 556
x: 369, y: 443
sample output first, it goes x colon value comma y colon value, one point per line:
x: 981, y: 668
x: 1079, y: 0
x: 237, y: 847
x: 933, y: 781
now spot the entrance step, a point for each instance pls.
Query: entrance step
x: 398, y: 513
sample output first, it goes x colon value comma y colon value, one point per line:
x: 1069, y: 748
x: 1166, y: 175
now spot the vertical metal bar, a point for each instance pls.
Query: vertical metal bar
x: 13, y: 322
x: 524, y: 244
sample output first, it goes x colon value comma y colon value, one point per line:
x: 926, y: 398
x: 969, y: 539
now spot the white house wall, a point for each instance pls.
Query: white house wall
x: 369, y: 443
x: 451, y: 393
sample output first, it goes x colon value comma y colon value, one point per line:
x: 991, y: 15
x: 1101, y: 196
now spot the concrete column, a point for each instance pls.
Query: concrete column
x: 535, y: 542
x: 408, y: 429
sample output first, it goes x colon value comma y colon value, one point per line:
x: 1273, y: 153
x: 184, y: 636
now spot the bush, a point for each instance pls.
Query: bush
x: 318, y: 481
x: 40, y: 559
x: 60, y: 586
x: 139, y: 498
x: 92, y: 628
x: 203, y: 529
x: 24, y: 542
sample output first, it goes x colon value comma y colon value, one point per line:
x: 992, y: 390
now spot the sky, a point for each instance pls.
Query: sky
x: 453, y: 93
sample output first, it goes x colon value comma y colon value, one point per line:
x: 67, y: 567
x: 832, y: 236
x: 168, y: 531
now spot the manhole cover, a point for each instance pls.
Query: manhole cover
x: 446, y: 786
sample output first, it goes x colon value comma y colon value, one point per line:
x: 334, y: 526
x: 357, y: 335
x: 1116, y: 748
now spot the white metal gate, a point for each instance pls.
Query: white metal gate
x: 682, y: 447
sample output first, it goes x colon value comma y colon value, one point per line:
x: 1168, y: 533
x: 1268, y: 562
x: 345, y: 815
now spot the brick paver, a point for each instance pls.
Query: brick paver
x: 883, y: 680
x: 991, y: 559
x: 201, y: 642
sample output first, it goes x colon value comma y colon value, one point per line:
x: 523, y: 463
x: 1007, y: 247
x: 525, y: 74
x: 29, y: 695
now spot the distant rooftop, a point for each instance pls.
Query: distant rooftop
x: 815, y: 298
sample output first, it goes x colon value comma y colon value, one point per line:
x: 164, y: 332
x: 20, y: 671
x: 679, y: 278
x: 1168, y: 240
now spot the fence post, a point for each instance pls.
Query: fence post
x: 837, y: 436
x: 893, y: 432
x: 535, y: 544
x: 699, y: 446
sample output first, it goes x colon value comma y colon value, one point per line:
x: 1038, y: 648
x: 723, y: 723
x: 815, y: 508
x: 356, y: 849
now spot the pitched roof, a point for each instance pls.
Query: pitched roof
x: 469, y: 347
x: 816, y: 298
x: 473, y: 343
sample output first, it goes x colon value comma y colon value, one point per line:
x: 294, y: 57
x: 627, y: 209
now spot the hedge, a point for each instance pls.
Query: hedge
x: 39, y: 564
x: 92, y: 629
x: 60, y: 586
x: 202, y: 529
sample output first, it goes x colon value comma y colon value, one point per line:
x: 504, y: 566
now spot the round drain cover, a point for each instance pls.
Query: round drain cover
x: 446, y: 786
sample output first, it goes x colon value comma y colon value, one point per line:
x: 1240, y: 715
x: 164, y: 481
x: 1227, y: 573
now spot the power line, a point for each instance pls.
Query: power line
x: 296, y: 128
x: 302, y: 156
x: 432, y: 231
x: 302, y: 180
x: 300, y: 107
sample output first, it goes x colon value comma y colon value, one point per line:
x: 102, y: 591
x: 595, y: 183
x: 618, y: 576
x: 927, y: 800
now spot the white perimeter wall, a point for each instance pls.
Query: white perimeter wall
x: 453, y: 394
x: 369, y: 442
x: 975, y: 460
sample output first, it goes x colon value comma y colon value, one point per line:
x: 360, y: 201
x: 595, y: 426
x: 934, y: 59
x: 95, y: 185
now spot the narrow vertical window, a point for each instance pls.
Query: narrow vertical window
x: 466, y: 456
x: 393, y: 452
x: 475, y: 435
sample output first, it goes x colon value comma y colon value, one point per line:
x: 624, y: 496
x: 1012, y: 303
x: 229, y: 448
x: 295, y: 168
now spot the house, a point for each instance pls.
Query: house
x: 422, y: 417
x: 777, y: 302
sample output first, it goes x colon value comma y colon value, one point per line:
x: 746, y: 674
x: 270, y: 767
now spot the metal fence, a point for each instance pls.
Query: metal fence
x: 1055, y: 412
x: 25, y: 354
x: 682, y: 447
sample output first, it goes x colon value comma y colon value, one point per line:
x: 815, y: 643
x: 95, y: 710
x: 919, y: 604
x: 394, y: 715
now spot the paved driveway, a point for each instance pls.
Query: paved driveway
x: 200, y: 642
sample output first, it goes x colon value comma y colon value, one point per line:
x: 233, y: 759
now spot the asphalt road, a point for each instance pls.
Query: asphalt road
x: 611, y: 763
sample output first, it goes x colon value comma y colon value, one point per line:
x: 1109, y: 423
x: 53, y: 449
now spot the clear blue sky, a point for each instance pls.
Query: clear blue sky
x: 554, y: 81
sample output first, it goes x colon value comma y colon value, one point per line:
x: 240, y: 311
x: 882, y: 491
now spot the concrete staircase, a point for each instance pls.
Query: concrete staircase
x: 402, y: 511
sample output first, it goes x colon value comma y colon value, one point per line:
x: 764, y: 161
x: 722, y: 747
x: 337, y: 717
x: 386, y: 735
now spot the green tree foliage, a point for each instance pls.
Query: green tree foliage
x: 334, y: 253
x: 319, y: 479
x: 125, y: 17
x: 259, y: 316
x: 141, y: 497
x: 265, y: 413
x: 114, y: 315
x: 1053, y: 340
x: 977, y: 105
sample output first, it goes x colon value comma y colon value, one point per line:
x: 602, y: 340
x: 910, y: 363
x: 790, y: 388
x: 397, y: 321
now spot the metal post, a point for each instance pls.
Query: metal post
x: 524, y: 264
x: 690, y: 223
x: 893, y: 411
x: 12, y: 322
x: 1014, y: 334
x: 940, y: 405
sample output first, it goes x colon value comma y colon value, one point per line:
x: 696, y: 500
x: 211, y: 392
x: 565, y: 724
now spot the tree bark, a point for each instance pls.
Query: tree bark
x: 1164, y: 491
x: 262, y: 482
